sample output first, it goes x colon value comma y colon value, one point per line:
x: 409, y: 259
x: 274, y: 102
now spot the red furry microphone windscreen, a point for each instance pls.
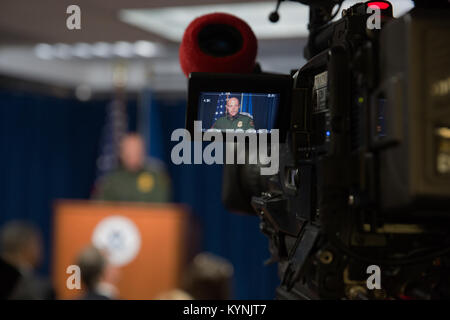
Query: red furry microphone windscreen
x: 218, y: 42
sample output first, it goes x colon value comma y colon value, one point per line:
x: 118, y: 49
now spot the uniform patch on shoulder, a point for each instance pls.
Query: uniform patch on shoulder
x: 239, y: 124
x: 145, y: 182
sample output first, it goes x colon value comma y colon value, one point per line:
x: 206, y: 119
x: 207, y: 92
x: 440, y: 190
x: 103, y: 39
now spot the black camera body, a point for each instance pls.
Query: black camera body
x: 368, y: 138
x: 364, y: 162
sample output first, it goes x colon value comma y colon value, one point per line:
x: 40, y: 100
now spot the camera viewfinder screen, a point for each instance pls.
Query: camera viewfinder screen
x: 238, y: 110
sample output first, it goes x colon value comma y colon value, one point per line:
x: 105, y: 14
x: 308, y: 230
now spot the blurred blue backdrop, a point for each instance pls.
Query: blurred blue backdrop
x: 48, y: 150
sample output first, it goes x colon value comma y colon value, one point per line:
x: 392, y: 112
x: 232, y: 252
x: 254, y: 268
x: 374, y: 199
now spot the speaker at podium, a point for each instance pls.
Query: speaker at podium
x: 146, y: 241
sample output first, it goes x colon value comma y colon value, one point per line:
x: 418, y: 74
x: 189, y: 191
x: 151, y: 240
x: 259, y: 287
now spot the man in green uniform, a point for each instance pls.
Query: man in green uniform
x: 233, y: 119
x: 135, y: 179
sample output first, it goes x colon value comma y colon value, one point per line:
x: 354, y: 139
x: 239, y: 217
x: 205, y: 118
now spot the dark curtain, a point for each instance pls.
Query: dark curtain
x: 48, y: 150
x: 235, y: 237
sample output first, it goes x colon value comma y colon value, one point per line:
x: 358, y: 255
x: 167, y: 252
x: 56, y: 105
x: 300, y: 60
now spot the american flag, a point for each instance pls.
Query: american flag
x: 221, y: 103
x: 114, y: 129
x: 246, y: 104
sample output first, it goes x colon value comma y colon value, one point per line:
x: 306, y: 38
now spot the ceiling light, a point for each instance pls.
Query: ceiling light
x: 62, y: 51
x: 145, y: 49
x: 102, y: 49
x: 82, y: 50
x: 123, y: 49
x: 44, y: 51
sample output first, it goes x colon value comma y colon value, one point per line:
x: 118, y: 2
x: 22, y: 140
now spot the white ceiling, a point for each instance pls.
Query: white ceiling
x: 34, y: 21
x: 152, y: 29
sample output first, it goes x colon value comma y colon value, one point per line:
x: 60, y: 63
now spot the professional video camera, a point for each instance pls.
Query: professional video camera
x: 364, y: 161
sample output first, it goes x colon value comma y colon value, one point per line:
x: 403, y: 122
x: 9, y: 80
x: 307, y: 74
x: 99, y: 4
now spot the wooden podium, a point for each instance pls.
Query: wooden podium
x: 154, y: 234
